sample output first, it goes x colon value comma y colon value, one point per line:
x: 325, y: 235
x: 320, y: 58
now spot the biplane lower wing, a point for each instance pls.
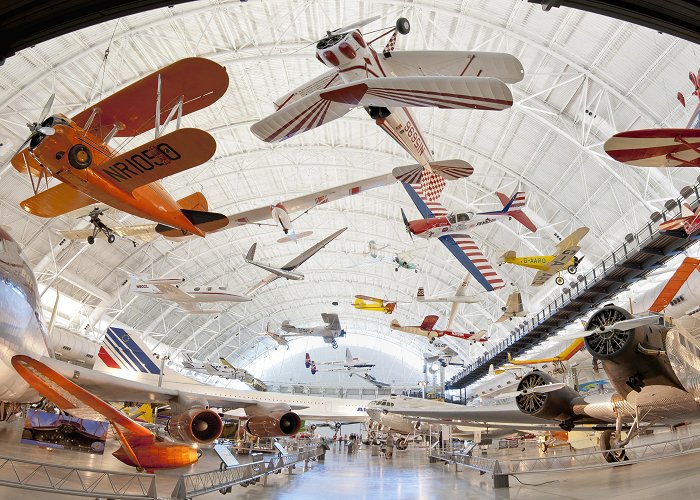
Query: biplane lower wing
x: 56, y: 200
x: 162, y: 157
x: 656, y: 147
x: 447, y: 92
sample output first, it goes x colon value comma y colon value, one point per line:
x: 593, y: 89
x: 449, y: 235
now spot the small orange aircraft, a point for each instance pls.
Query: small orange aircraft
x: 139, y: 448
x: 76, y: 152
x: 367, y: 303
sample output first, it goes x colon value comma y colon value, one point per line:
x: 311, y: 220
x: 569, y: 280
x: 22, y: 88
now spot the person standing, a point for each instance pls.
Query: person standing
x: 389, y: 446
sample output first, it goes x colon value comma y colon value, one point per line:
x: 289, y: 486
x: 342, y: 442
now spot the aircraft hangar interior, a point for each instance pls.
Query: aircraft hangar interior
x: 408, y: 249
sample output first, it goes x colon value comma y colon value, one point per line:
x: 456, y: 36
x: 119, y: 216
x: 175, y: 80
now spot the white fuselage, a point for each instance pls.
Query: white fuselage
x: 380, y: 411
x: 455, y: 299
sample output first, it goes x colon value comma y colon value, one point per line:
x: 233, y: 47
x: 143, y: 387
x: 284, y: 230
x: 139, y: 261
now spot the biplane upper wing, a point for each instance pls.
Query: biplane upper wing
x: 559, y: 262
x: 504, y: 67
x: 425, y: 195
x: 164, y: 156
x: 200, y: 82
x: 573, y: 239
x: 656, y: 147
x: 57, y: 200
x: 309, y: 201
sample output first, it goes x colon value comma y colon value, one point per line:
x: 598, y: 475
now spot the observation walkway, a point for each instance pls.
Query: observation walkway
x: 641, y: 253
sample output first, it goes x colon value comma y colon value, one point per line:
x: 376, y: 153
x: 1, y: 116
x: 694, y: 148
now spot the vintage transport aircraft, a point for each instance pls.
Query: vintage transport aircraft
x: 329, y: 332
x: 76, y: 151
x: 662, y: 147
x: 386, y: 84
x: 651, y: 364
x: 127, y: 371
x: 549, y: 265
x: 367, y: 303
x: 349, y: 365
x: 189, y: 299
x: 427, y: 329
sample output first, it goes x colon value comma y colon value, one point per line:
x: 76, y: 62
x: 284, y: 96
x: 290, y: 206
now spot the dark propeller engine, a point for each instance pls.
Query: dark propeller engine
x: 554, y: 405
x: 608, y: 344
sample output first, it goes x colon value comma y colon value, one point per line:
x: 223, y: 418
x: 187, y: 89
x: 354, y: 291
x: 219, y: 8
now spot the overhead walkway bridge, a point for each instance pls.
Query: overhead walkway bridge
x: 641, y: 253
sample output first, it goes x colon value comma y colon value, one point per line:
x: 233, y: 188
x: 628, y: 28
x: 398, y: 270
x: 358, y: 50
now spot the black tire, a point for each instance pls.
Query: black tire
x: 111, y: 238
x: 572, y: 269
x: 606, y: 439
x: 402, y: 444
x: 559, y: 280
x: 91, y: 240
x: 403, y: 26
x: 79, y: 157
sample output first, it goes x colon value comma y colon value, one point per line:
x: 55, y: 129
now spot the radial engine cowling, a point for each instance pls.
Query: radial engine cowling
x: 555, y: 405
x: 274, y: 424
x: 611, y: 344
x: 196, y: 426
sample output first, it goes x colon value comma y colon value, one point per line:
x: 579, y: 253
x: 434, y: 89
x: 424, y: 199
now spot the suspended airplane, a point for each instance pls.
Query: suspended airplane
x: 287, y: 271
x: 444, y: 357
x: 460, y: 297
x: 76, y: 151
x: 187, y: 298
x: 329, y: 332
x: 513, y: 309
x: 427, y: 329
x: 372, y: 380
x: 549, y: 265
x: 126, y: 370
x: 652, y: 366
x: 386, y: 84
x: 565, y: 355
x: 662, y: 147
x: 350, y: 365
x: 366, y: 303
x: 223, y: 369
x: 278, y: 338
x: 402, y: 260
x: 689, y: 221
x: 278, y: 212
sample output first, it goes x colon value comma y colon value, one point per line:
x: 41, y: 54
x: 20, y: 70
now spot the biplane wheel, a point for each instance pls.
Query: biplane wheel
x: 91, y: 240
x: 415, y: 271
x: 572, y: 269
x: 397, y: 269
x: 79, y: 157
x: 559, y: 280
x: 111, y: 238
x: 403, y: 26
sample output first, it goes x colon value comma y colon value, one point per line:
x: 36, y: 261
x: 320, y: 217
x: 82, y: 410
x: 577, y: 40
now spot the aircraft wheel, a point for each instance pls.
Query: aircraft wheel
x: 416, y: 271
x: 559, y: 280
x: 111, y: 238
x: 607, y: 441
x: 572, y: 269
x: 397, y: 269
x: 91, y: 240
x: 402, y: 444
x: 403, y: 26
x: 334, y: 344
x: 79, y: 157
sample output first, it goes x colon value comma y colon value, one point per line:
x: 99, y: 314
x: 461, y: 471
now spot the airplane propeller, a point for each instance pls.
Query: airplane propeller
x: 38, y: 128
x: 406, y: 223
x: 352, y: 26
x: 540, y: 389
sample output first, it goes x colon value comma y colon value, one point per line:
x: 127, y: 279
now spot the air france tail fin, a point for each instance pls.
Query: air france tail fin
x: 513, y: 206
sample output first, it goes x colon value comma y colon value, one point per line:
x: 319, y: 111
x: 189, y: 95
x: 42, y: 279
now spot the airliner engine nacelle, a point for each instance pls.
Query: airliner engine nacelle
x: 344, y: 50
x: 274, y: 425
x: 555, y: 405
x: 196, y: 426
x: 632, y: 358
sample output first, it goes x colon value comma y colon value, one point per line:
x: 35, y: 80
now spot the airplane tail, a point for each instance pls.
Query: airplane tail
x: 226, y: 363
x: 313, y: 368
x: 510, y: 358
x: 348, y: 356
x: 513, y: 207
x: 294, y: 236
x: 509, y: 255
x: 420, y: 295
x: 694, y: 121
x: 686, y: 211
x: 207, y: 222
x: 308, y: 361
x: 251, y: 253
x: 395, y: 324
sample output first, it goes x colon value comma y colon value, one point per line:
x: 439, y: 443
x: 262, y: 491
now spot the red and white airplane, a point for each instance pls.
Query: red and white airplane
x: 689, y: 221
x: 663, y: 147
x: 386, y: 84
x: 427, y: 329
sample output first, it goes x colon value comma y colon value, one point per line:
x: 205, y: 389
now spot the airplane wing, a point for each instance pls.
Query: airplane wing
x: 573, y: 239
x: 200, y: 82
x: 331, y: 320
x: 559, y: 262
x: 263, y: 282
x: 514, y: 305
x: 306, y: 255
x: 57, y: 200
x: 656, y: 147
x: 370, y: 299
x: 454, y: 308
x: 143, y: 232
x: 462, y: 247
x: 309, y: 201
x: 429, y: 322
x: 474, y: 414
x: 504, y: 67
x: 164, y: 156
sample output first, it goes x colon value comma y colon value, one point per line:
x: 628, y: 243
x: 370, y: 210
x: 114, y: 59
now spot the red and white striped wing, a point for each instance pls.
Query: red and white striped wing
x: 449, y: 92
x: 449, y: 170
x: 656, y: 147
x: 471, y: 250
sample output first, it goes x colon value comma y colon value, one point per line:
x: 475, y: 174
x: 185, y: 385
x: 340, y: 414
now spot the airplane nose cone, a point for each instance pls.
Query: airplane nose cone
x: 201, y: 426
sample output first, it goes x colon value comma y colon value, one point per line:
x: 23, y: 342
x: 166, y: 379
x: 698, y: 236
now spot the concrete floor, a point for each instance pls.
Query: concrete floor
x: 408, y: 475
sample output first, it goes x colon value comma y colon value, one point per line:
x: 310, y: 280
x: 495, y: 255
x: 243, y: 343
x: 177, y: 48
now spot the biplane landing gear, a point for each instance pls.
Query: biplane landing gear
x: 99, y: 227
x: 334, y: 344
x: 559, y: 280
x: 572, y: 269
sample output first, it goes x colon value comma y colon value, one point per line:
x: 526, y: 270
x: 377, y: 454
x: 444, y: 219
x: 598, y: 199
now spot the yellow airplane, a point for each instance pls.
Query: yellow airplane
x: 366, y: 303
x: 565, y: 355
x: 550, y: 265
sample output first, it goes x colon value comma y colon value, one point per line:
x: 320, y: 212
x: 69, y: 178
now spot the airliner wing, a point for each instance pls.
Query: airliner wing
x: 474, y: 414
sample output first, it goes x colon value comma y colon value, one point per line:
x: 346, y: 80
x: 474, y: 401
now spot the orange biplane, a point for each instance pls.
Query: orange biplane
x: 76, y: 152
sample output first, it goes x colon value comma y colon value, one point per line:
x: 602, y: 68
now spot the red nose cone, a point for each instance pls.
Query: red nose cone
x: 423, y: 225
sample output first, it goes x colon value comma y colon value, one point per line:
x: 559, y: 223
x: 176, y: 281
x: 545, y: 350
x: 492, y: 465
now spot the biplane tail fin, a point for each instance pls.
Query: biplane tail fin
x: 207, y: 222
x: 513, y: 207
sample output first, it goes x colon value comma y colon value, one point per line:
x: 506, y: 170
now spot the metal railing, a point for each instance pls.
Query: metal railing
x: 199, y: 483
x: 30, y: 475
x: 633, y: 241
